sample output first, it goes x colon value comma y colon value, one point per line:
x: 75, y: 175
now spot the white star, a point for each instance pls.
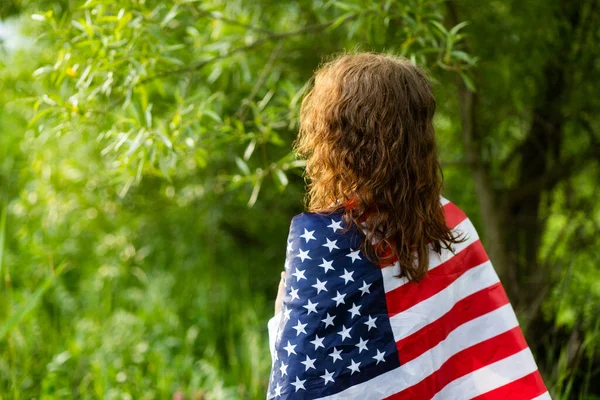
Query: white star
x: 345, y: 333
x: 299, y: 328
x: 311, y: 307
x: 299, y: 274
x: 299, y: 384
x: 339, y: 299
x: 331, y: 244
x: 365, y: 288
x: 290, y: 348
x: 371, y: 323
x: 353, y: 367
x: 362, y: 345
x: 336, y: 355
x: 289, y: 247
x: 294, y: 293
x: 354, y: 255
x: 328, y: 377
x: 277, y: 390
x: 326, y: 265
x: 335, y: 225
x: 319, y: 286
x: 353, y: 310
x: 283, y: 369
x: 308, y: 235
x: 379, y: 356
x: 303, y: 255
x: 318, y: 342
x: 347, y: 276
x: 328, y: 321
x: 308, y: 363
x: 286, y: 313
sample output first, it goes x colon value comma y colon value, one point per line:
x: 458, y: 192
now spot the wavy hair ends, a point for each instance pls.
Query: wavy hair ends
x: 366, y: 132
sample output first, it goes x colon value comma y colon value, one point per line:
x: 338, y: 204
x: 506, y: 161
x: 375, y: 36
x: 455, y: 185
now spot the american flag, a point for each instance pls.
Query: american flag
x: 350, y: 329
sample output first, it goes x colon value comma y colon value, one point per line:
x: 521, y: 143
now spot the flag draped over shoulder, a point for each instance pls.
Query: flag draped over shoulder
x: 351, y: 329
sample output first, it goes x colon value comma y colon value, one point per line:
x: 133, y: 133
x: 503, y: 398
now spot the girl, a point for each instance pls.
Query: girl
x: 387, y: 290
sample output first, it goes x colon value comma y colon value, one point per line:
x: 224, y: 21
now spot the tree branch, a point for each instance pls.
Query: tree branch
x: 258, y: 43
x: 260, y: 81
x: 218, y: 16
x: 555, y: 175
x: 486, y: 194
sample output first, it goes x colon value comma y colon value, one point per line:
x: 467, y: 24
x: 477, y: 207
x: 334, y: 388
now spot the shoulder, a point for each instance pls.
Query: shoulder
x: 312, y: 231
x: 313, y: 218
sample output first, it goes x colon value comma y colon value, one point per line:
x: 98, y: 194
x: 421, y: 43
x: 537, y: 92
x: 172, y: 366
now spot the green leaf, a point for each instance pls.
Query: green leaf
x: 242, y: 166
x: 21, y: 312
x: 440, y: 27
x: 283, y: 180
x: 339, y: 21
x: 468, y: 81
x: 458, y: 27
x: 255, y: 192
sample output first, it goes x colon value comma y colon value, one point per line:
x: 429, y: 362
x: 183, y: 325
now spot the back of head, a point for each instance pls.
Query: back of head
x: 366, y: 131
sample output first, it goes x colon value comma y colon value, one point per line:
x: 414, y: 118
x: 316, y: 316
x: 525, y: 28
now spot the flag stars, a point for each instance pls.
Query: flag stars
x: 339, y: 299
x: 328, y: 321
x: 290, y: 348
x: 345, y: 333
x: 347, y: 276
x: 294, y: 293
x: 318, y: 342
x: 335, y: 225
x: 299, y: 274
x: 354, y: 255
x: 308, y: 235
x: 326, y: 265
x: 371, y: 323
x: 328, y: 377
x: 311, y: 307
x: 303, y: 254
x: 290, y: 248
x: 277, y: 390
x: 299, y: 384
x: 308, y: 363
x: 365, y: 288
x: 354, y: 310
x: 331, y: 244
x: 353, y: 367
x: 336, y: 355
x: 379, y: 356
x: 300, y: 328
x: 283, y: 369
x: 320, y: 286
x: 362, y: 345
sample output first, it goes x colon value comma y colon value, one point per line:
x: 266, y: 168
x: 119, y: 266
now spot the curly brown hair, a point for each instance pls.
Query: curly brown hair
x: 367, y: 134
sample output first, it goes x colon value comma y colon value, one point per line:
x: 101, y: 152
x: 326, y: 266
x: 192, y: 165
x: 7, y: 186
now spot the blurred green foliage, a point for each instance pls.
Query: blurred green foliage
x: 147, y: 184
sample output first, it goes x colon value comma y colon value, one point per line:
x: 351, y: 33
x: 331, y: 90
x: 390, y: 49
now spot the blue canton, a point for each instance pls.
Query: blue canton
x: 334, y: 332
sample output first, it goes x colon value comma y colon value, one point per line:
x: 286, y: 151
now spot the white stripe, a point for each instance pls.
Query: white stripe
x: 421, y: 314
x: 468, y: 334
x: 390, y: 279
x: 489, y: 377
x: 543, y: 396
x: 444, y: 201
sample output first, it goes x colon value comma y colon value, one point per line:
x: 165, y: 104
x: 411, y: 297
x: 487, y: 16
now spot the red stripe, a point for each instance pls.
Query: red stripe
x: 406, y: 296
x: 467, y: 309
x: 526, y: 388
x: 468, y: 360
x: 454, y: 215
